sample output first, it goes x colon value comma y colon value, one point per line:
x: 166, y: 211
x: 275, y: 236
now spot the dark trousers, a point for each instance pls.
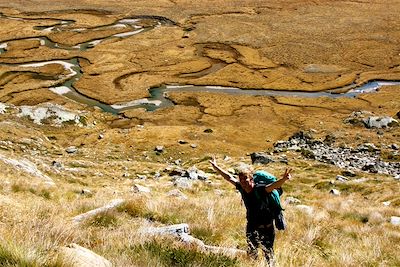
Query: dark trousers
x: 261, y: 236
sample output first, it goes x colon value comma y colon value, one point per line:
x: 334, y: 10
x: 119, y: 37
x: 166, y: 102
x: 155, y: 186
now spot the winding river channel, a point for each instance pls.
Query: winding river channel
x: 158, y: 96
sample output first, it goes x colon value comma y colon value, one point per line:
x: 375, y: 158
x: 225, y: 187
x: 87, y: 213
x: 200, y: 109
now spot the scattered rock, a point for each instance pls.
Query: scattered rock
x: 386, y: 203
x: 101, y: 136
x: 3, y: 108
x: 341, y: 178
x: 71, y: 149
x: 182, y: 142
x: 56, y: 164
x: 76, y: 256
x: 395, y: 220
x: 334, y: 192
x: 141, y: 176
x: 140, y: 189
x: 365, y: 157
x: 208, y: 130
x: 159, y: 149
x: 227, y: 158
x: 193, y: 145
x: 349, y: 173
x: 394, y: 146
x: 182, y: 182
x: 259, y: 157
x: 86, y: 192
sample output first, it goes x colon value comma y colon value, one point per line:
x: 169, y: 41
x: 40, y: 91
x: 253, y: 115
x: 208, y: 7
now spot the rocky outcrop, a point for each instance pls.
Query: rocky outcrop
x: 363, y: 118
x: 53, y: 114
x: 365, y: 157
x: 28, y: 167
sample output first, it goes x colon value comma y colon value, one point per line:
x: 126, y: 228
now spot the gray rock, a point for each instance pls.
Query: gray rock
x: 192, y: 173
x: 262, y: 158
x: 349, y: 173
x: 379, y: 122
x: 183, y: 182
x: 56, y: 164
x: 193, y: 145
x: 71, y: 149
x: 157, y: 175
x: 341, y: 178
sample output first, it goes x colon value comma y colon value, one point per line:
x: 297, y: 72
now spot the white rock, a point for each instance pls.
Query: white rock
x: 341, y: 178
x: 140, y: 189
x: 57, y: 113
x: 386, y: 203
x: 28, y: 167
x: 335, y: 192
x: 183, y: 183
x: 3, y: 108
x: 395, y: 220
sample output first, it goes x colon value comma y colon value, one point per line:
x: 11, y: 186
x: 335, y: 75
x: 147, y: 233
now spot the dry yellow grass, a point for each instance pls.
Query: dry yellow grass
x: 347, y: 230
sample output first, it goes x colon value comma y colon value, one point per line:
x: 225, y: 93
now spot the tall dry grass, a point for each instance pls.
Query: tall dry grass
x: 347, y: 230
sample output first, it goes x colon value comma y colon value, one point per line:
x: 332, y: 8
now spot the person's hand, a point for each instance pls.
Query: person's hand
x: 287, y: 175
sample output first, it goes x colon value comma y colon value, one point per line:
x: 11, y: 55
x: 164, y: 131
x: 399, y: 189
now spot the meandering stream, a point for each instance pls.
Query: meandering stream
x: 158, y: 96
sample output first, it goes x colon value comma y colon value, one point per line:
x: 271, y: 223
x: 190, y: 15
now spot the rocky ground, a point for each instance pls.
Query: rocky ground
x: 52, y: 141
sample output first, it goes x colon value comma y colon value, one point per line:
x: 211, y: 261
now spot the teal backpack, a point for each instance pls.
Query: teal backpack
x: 270, y: 202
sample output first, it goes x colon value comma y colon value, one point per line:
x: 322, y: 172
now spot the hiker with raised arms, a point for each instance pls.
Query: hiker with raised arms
x: 260, y: 192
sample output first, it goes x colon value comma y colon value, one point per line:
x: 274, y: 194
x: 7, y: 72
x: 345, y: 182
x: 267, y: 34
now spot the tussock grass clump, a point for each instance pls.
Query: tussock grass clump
x: 168, y: 253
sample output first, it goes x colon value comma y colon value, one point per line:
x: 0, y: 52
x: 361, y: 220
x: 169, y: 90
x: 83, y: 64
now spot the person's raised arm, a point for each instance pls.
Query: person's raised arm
x: 226, y: 175
x: 286, y: 176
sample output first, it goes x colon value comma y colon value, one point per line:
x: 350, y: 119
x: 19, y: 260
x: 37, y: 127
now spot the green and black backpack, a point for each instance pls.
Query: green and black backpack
x: 270, y: 202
